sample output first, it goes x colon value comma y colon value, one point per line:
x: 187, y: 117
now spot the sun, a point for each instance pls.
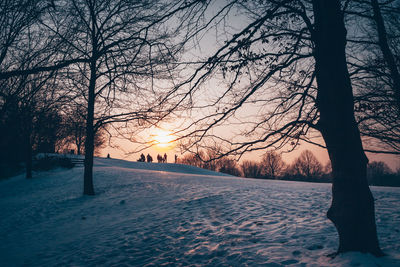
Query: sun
x: 163, y: 139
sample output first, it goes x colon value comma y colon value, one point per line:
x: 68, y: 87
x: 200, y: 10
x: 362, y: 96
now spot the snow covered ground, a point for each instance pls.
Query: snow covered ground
x: 168, y: 214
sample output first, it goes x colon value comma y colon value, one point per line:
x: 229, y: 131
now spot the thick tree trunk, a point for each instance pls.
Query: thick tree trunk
x: 28, y: 159
x: 89, y: 141
x: 387, y: 53
x: 352, y: 209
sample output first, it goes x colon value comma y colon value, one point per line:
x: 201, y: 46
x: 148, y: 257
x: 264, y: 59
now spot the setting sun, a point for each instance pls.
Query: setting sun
x: 163, y: 139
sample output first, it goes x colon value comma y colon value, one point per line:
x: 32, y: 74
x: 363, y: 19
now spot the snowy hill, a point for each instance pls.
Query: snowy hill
x: 178, y: 215
x: 166, y: 167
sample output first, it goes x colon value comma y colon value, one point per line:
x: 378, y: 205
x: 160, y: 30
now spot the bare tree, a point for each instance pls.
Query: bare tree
x: 31, y: 113
x: 388, y: 55
x: 111, y: 52
x: 272, y: 165
x: 377, y: 171
x: 288, y: 63
x: 229, y: 166
x: 205, y: 159
x: 122, y: 48
x: 16, y: 19
x: 251, y: 169
x: 74, y: 127
x: 209, y: 157
x: 307, y: 165
x: 372, y: 55
x: 74, y: 130
x: 192, y: 159
x: 33, y: 97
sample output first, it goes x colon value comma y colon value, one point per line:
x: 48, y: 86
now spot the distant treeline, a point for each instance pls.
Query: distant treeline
x: 306, y: 167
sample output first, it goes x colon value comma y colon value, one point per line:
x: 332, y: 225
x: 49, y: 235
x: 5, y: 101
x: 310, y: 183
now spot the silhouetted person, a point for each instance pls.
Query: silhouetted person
x: 108, y: 155
x: 149, y: 158
x: 159, y: 158
x: 142, y: 158
x: 165, y: 157
x: 176, y: 158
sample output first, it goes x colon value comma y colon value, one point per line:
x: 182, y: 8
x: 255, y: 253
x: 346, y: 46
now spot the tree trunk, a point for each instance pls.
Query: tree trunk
x: 352, y: 209
x: 89, y: 141
x: 78, y: 148
x: 387, y: 53
x: 28, y: 159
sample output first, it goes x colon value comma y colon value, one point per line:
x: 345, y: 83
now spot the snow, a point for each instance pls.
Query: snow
x: 170, y: 214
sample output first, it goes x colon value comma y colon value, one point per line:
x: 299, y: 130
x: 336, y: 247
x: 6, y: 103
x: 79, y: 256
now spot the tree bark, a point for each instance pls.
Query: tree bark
x: 89, y: 141
x: 387, y: 53
x: 78, y: 147
x: 88, y: 188
x: 352, y: 209
x: 28, y: 159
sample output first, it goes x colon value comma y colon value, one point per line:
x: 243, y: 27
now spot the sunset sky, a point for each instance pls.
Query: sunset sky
x: 200, y: 49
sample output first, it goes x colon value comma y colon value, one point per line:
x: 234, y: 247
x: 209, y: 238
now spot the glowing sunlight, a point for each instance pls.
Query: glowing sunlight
x: 163, y: 139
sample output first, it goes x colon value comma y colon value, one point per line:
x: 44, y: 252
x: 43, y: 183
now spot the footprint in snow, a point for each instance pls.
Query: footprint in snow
x: 315, y: 247
x: 296, y: 253
x: 288, y: 262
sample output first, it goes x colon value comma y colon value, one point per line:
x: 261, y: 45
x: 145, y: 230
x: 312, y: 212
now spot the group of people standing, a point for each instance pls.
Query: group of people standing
x: 149, y: 158
x: 160, y: 159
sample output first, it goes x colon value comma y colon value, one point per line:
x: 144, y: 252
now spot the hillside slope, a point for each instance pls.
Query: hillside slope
x: 167, y: 214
